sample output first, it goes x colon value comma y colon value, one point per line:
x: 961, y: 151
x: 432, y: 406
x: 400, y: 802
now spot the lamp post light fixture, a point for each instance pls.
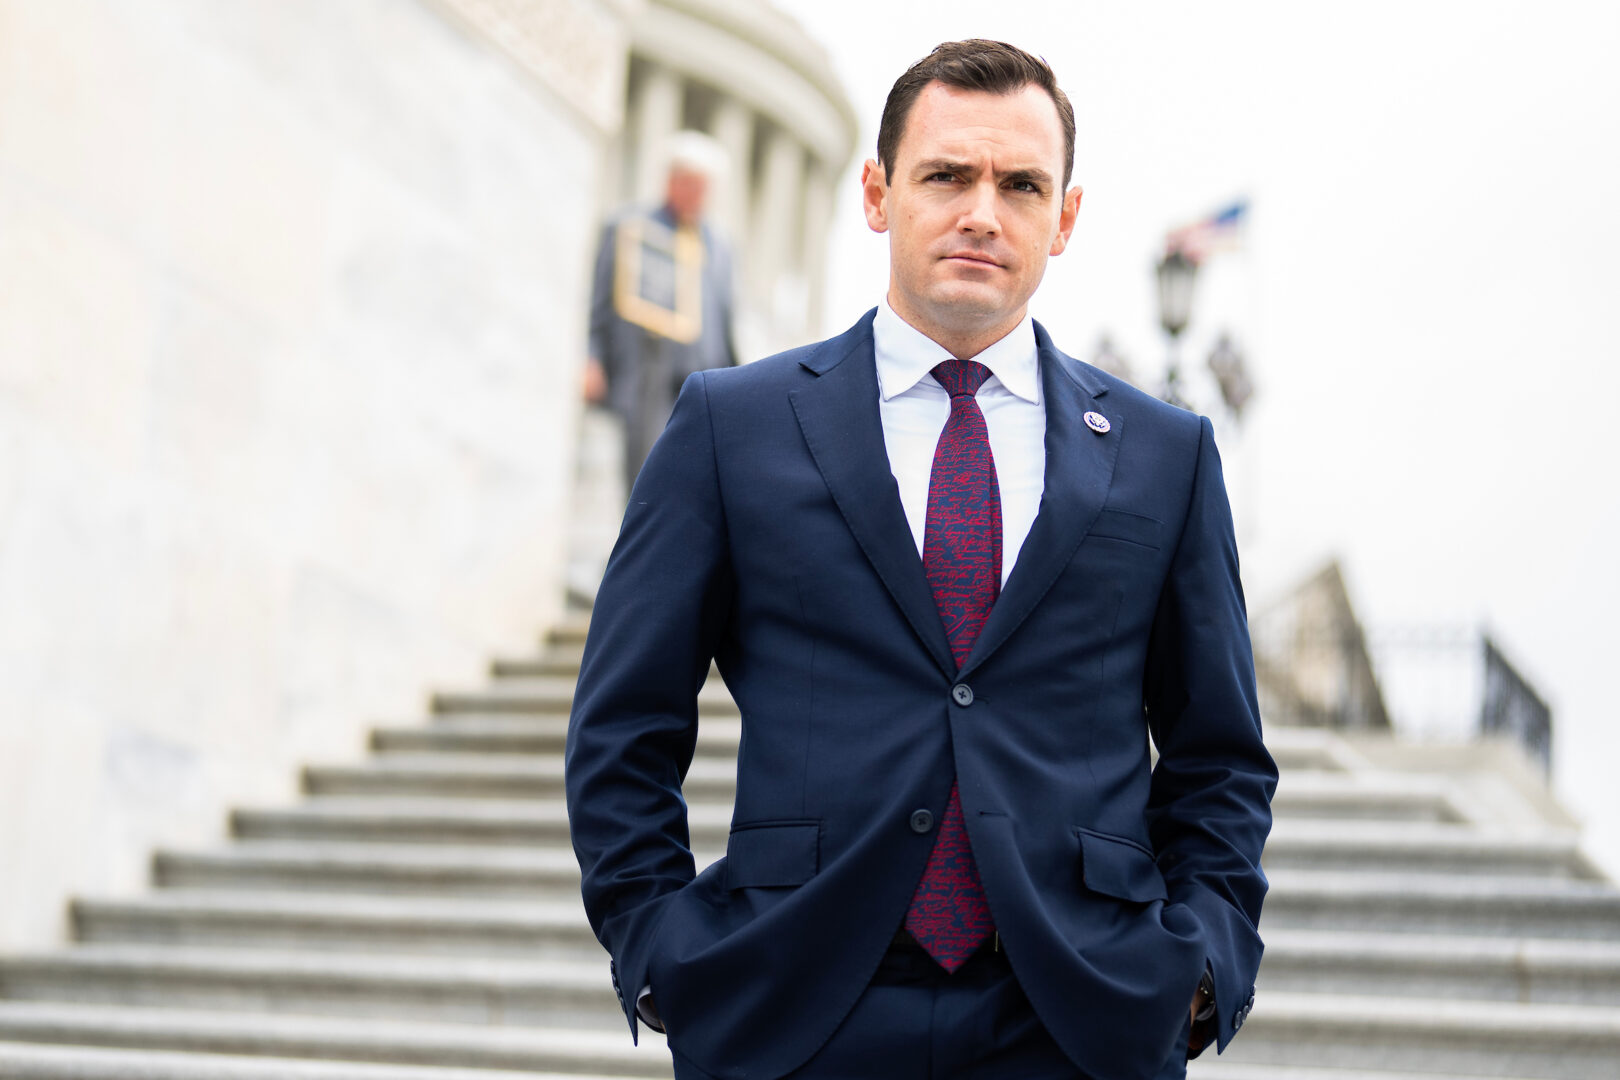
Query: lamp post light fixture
x: 1108, y: 358
x: 1231, y: 373
x: 1176, y: 273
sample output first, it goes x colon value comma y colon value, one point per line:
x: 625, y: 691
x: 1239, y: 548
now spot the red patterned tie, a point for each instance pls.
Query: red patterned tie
x: 949, y: 916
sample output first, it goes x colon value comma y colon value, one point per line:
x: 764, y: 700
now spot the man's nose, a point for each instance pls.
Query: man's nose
x: 979, y: 215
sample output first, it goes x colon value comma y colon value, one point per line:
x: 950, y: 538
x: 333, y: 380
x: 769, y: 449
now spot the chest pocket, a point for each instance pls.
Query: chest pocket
x: 1123, y: 525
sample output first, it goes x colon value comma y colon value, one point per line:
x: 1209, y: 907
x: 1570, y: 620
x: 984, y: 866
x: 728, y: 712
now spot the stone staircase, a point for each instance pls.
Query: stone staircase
x: 417, y: 917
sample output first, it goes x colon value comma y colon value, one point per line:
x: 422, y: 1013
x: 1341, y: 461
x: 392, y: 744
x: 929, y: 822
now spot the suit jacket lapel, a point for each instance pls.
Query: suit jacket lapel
x: 838, y: 413
x: 1079, y: 472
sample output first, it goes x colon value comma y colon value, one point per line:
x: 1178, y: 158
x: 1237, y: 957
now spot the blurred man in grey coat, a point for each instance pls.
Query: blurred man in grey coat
x: 660, y: 301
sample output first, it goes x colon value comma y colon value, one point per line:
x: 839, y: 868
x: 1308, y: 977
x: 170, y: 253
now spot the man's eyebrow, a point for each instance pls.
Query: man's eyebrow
x: 942, y: 165
x: 1036, y: 176
x: 946, y: 165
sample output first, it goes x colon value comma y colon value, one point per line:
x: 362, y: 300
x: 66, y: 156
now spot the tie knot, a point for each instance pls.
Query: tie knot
x: 961, y: 378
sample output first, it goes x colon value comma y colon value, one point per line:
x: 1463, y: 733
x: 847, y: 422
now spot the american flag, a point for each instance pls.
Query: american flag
x: 1220, y: 231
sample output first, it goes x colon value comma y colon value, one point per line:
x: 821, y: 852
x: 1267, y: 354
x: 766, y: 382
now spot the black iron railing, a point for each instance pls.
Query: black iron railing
x: 1318, y: 666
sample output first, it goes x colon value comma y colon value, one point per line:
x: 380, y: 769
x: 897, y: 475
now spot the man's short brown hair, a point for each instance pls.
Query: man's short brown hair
x: 975, y: 64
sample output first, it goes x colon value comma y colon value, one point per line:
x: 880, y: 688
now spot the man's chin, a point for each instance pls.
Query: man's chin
x: 967, y: 304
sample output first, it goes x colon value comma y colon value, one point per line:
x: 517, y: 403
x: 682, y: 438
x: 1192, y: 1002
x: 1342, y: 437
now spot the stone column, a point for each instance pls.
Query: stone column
x: 776, y: 278
x: 655, y: 115
x: 818, y: 215
x: 733, y: 128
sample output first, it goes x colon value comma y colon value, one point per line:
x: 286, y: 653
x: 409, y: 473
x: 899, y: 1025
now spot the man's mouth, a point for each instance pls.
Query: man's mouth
x: 973, y: 257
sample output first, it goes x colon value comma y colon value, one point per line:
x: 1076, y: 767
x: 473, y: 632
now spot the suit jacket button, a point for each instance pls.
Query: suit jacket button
x: 962, y: 694
x: 921, y: 821
x: 1237, y: 1019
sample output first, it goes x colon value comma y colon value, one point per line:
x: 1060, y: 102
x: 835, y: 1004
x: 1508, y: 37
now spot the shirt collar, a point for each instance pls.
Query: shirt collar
x: 905, y: 355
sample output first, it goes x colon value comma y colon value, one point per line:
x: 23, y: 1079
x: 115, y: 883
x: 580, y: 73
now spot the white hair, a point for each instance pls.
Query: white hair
x: 696, y: 152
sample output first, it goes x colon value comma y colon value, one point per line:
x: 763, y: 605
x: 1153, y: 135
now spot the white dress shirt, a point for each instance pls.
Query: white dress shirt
x: 914, y: 407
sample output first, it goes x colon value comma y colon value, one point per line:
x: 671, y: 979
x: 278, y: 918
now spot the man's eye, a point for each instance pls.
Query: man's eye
x: 942, y: 176
x: 1026, y: 185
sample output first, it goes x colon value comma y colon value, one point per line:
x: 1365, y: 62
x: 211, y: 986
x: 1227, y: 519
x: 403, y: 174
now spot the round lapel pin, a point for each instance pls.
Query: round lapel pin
x: 1097, y: 422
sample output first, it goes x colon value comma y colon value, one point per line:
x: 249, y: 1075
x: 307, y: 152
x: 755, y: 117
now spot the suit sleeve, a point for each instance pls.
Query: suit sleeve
x: 1210, y: 806
x: 659, y: 614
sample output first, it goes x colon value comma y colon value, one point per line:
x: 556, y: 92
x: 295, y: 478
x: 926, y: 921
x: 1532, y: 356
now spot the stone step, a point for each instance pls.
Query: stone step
x: 466, y: 990
x: 42, y: 1061
x: 1424, y: 1036
x: 1298, y: 748
x: 1302, y: 793
x: 1209, y: 1067
x: 529, y: 1050
x: 564, y: 657
x: 542, y: 696
x: 503, y: 871
x: 1365, y: 796
x: 718, y: 737
x: 1449, y: 967
x: 1414, y: 1036
x: 548, y: 918
x: 557, y: 670
x: 562, y: 663
x: 568, y: 633
x: 1307, y: 844
x: 546, y: 687
x: 498, y: 776
x: 557, y: 661
x: 441, y: 821
x: 504, y: 732
x: 444, y: 819
x: 388, y: 869
x: 340, y: 922
x: 1471, y: 904
x: 561, y: 657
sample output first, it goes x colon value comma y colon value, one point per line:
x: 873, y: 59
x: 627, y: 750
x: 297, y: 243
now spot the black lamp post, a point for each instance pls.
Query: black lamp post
x: 1176, y: 275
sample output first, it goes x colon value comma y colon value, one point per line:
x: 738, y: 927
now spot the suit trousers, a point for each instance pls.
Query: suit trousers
x: 916, y: 1021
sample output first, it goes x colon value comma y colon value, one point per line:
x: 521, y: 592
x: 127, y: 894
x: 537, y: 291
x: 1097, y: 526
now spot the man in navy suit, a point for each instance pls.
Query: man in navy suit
x: 955, y: 581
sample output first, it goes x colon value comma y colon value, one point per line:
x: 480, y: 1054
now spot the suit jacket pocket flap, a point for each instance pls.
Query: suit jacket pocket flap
x: 1115, y: 866
x: 773, y: 853
x: 1124, y: 525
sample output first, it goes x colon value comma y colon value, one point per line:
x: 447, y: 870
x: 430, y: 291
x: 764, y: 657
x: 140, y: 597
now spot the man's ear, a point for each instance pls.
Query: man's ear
x: 874, y: 189
x: 1070, y: 211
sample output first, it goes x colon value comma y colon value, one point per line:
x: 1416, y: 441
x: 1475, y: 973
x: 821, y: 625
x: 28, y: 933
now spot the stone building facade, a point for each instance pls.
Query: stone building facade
x: 292, y: 312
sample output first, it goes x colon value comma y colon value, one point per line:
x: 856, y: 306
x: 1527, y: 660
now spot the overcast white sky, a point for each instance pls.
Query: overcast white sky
x: 1427, y: 294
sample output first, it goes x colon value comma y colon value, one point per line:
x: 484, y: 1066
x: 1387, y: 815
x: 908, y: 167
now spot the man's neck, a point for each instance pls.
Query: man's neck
x: 690, y: 222
x: 963, y: 344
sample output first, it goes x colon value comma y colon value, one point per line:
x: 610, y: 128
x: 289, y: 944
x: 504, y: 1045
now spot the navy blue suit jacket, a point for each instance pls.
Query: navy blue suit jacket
x: 766, y: 532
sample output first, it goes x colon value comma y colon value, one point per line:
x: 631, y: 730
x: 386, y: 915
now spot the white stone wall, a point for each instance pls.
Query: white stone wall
x: 292, y: 299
